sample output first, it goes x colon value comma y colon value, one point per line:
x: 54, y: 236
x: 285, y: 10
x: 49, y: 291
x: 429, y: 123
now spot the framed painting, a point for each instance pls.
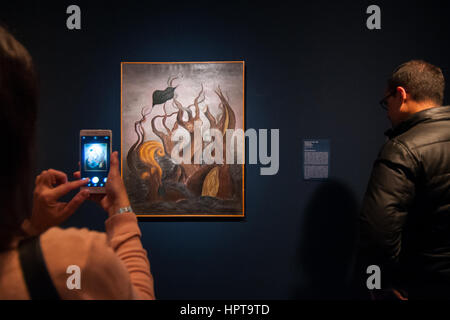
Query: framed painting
x: 182, y: 138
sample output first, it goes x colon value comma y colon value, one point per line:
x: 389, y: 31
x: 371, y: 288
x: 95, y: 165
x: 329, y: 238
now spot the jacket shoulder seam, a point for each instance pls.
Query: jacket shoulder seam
x: 430, y: 143
x: 408, y: 151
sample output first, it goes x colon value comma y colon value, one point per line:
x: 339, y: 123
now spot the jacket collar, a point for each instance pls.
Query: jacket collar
x: 428, y: 115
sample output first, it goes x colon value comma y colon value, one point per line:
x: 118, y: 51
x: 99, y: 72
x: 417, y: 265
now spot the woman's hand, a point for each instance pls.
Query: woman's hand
x: 116, y: 195
x: 47, y: 210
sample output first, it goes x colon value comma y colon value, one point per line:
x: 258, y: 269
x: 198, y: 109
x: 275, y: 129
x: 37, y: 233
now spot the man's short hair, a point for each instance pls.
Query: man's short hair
x: 422, y: 80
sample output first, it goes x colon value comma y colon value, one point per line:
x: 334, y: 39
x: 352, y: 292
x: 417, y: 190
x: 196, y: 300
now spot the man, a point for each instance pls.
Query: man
x: 405, y: 218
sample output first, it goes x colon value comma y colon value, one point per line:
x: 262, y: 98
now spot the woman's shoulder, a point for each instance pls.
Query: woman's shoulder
x: 66, y: 250
x: 80, y: 234
x: 71, y: 245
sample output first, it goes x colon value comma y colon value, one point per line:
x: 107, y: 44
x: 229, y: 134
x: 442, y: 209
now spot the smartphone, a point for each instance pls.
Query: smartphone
x: 95, y: 154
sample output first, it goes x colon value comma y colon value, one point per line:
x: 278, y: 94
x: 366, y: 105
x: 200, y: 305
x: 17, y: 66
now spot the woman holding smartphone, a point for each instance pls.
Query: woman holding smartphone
x: 69, y: 263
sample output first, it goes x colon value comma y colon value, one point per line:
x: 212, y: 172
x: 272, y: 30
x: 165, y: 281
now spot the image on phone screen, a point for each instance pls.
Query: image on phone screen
x: 95, y: 151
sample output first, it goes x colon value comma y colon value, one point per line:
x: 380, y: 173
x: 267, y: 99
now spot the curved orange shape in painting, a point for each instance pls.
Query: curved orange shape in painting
x: 147, y: 154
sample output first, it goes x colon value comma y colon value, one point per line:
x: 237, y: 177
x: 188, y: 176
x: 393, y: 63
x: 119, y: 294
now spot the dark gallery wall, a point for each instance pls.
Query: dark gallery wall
x: 313, y: 70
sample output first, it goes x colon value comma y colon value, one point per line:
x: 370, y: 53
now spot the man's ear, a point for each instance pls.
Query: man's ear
x: 402, y: 92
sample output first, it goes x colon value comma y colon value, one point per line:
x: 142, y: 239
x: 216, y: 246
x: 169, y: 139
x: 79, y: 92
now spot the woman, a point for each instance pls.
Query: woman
x: 112, y: 265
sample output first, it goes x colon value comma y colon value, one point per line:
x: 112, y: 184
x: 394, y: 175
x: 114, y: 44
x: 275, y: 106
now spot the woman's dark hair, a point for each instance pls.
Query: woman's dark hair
x: 18, y: 105
x: 422, y: 80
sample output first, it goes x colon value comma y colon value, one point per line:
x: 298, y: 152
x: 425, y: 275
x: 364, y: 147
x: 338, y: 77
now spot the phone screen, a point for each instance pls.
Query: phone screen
x: 95, y: 152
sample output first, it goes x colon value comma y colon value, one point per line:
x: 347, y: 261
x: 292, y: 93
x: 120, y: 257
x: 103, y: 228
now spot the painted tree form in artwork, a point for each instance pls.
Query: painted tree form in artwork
x: 149, y: 161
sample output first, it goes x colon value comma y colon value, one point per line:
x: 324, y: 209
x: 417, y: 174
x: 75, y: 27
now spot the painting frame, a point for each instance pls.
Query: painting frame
x: 187, y: 215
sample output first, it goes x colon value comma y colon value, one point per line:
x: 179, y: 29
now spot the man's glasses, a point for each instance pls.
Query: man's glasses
x: 383, y: 102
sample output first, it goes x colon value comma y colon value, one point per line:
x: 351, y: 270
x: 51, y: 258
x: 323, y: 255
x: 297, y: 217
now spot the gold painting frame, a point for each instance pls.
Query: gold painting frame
x: 125, y: 135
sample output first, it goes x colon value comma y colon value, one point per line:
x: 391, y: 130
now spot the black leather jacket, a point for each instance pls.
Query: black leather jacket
x: 405, y: 217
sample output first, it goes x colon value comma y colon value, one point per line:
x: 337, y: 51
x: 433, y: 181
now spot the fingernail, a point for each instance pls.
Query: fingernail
x: 85, y: 193
x: 86, y: 179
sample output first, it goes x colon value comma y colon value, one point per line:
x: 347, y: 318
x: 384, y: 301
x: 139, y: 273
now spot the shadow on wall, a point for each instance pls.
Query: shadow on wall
x: 328, y: 237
